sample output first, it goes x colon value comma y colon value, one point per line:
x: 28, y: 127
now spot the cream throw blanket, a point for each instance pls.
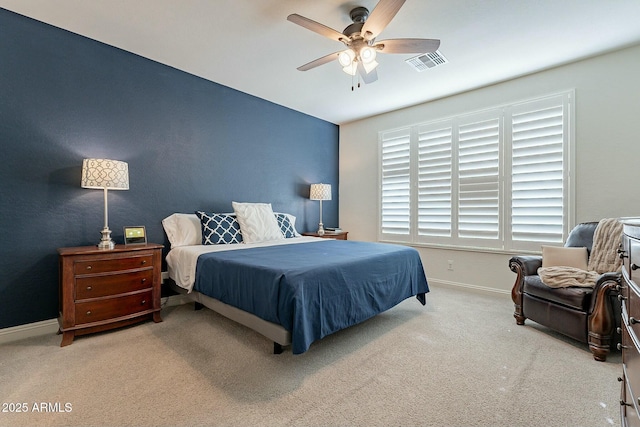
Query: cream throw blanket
x: 604, y: 259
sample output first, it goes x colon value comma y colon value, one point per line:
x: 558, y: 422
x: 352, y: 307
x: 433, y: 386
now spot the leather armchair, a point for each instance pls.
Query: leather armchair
x: 589, y: 315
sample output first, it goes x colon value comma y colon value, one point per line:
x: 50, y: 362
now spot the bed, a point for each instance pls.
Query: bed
x: 294, y: 290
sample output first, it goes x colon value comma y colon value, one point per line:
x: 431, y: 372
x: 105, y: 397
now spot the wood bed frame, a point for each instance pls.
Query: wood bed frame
x: 276, y: 333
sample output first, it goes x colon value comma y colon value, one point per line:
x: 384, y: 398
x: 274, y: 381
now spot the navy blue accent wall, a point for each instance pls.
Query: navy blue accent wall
x: 190, y: 144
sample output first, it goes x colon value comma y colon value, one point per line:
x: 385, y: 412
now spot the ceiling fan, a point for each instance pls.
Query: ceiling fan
x: 359, y: 38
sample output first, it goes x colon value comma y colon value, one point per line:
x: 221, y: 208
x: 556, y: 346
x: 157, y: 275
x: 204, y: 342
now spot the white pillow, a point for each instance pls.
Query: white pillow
x: 557, y: 256
x: 257, y: 222
x: 183, y: 229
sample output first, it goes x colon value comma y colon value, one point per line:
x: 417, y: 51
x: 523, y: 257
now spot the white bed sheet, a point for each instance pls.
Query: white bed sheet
x: 182, y: 260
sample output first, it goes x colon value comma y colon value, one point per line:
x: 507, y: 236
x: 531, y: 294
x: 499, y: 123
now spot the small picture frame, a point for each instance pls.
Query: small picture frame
x: 135, y: 235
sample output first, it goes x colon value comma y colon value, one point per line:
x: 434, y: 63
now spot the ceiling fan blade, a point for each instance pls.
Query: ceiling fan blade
x: 320, y: 61
x: 316, y: 27
x: 380, y: 17
x: 369, y: 77
x: 408, y: 45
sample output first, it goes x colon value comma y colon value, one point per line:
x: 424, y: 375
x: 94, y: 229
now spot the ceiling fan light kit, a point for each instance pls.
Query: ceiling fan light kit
x: 367, y: 54
x: 359, y: 38
x: 346, y: 57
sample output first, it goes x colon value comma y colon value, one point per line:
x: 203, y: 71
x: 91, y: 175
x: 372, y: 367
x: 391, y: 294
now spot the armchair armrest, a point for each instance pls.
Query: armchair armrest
x: 522, y: 266
x: 528, y: 265
x: 607, y: 284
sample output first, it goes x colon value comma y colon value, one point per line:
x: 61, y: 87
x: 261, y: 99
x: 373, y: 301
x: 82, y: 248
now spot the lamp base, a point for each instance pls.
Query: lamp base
x: 320, y: 230
x: 106, y: 243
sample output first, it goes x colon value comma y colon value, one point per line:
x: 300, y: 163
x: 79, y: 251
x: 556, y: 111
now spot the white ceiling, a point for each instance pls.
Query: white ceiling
x: 250, y: 46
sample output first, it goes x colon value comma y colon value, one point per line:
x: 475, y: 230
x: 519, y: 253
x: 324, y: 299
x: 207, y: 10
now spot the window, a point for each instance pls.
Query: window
x: 496, y: 179
x: 396, y: 183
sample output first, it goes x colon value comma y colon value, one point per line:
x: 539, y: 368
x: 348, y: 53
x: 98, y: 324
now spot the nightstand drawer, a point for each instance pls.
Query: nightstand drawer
x: 113, y: 264
x: 113, y: 284
x: 110, y: 308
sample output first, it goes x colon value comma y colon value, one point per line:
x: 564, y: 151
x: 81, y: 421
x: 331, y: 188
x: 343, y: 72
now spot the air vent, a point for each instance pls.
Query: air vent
x: 427, y: 61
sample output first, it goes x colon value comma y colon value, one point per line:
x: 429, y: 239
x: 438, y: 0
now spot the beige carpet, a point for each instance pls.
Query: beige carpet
x: 459, y: 361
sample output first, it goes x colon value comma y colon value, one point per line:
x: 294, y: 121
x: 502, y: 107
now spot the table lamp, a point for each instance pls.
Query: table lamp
x: 320, y: 192
x: 105, y: 175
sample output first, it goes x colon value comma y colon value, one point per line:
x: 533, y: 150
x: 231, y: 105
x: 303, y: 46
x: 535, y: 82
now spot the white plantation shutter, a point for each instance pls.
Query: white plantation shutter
x: 499, y: 179
x: 539, y: 134
x: 435, y: 175
x: 479, y: 195
x: 395, y: 184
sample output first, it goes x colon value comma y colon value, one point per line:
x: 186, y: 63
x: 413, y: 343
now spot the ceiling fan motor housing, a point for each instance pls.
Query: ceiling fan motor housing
x: 358, y: 15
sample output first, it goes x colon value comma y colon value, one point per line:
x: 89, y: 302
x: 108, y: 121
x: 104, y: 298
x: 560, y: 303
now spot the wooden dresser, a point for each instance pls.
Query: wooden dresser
x: 106, y: 289
x: 630, y: 324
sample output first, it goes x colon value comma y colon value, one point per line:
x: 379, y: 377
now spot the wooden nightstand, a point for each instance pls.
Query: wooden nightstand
x: 341, y: 235
x: 106, y: 289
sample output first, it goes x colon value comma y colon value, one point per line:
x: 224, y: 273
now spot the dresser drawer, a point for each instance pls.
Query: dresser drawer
x: 632, y: 261
x: 113, y: 284
x: 631, y: 361
x: 113, y: 264
x: 629, y: 411
x: 110, y: 308
x: 632, y: 304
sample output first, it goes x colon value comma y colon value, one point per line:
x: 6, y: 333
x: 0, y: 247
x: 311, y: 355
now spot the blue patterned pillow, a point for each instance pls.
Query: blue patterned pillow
x: 219, y: 229
x: 287, y: 228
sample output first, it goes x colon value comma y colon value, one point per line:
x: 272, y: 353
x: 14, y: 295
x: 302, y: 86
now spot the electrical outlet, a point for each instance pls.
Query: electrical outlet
x: 450, y: 265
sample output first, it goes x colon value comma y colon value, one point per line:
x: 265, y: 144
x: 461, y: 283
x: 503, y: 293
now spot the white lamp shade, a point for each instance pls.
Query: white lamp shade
x: 367, y: 54
x: 351, y: 69
x: 346, y: 57
x: 104, y: 173
x: 320, y: 192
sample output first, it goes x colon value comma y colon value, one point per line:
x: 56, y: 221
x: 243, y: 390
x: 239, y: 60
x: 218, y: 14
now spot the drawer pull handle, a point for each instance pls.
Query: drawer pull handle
x: 621, y: 298
x: 89, y: 313
x: 619, y: 330
x: 144, y: 261
x: 634, y: 266
x: 89, y: 288
x: 88, y: 267
x: 633, y: 321
x: 622, y: 253
x: 144, y: 280
x: 144, y: 301
x: 620, y: 347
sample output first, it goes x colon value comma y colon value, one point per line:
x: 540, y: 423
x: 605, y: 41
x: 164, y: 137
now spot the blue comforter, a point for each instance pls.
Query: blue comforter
x: 313, y: 289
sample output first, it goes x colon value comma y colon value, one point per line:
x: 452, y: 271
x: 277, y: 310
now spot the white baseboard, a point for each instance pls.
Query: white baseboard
x: 29, y: 330
x: 469, y: 287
